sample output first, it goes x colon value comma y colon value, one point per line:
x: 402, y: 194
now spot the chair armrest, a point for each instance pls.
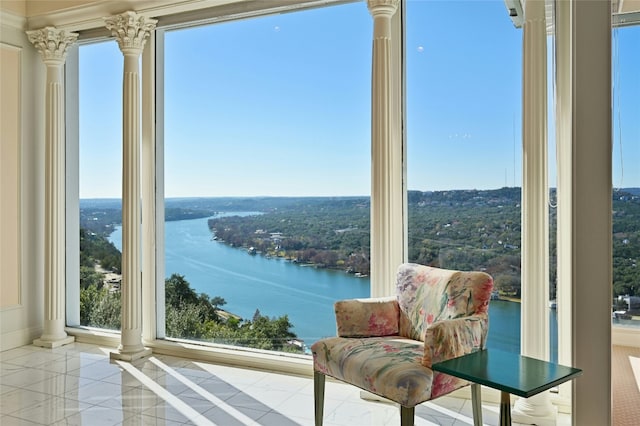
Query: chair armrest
x: 367, y: 317
x: 452, y: 338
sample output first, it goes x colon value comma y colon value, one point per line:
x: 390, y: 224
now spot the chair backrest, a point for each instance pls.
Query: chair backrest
x: 426, y: 295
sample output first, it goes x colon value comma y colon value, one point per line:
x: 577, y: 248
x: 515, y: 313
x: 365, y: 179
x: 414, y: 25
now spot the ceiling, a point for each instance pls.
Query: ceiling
x: 59, y: 12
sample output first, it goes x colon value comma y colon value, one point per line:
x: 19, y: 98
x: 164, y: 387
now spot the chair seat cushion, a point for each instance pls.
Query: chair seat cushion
x: 389, y: 366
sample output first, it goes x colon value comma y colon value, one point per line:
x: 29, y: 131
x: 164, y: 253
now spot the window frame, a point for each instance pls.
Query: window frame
x: 152, y: 193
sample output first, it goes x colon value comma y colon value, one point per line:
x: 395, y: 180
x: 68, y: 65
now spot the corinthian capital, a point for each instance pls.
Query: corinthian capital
x: 383, y: 7
x: 52, y: 43
x: 130, y: 30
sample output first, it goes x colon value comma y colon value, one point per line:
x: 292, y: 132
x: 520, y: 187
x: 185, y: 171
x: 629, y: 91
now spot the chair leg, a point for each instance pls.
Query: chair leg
x: 318, y: 396
x: 406, y: 415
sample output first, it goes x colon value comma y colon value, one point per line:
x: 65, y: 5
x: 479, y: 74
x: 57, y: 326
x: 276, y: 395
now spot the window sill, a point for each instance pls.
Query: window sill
x: 300, y: 365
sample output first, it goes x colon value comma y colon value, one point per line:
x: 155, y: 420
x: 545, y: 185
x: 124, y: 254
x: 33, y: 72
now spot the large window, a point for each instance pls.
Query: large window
x: 99, y: 182
x: 265, y: 140
x: 267, y: 176
x: 464, y: 148
x: 626, y: 176
x: 265, y: 131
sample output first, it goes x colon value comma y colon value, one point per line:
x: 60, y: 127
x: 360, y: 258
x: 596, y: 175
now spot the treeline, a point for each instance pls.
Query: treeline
x: 102, y: 215
x: 193, y: 316
x: 334, y: 234
x: 198, y: 317
x: 462, y: 229
x: 452, y: 229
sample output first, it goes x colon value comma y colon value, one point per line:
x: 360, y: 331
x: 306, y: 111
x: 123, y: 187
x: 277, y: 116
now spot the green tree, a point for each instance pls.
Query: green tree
x: 186, y: 322
x: 89, y: 277
x: 106, y: 309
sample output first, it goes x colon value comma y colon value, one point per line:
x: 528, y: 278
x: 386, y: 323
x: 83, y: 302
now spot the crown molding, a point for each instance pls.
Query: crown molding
x: 12, y: 20
x: 89, y: 19
x: 91, y: 16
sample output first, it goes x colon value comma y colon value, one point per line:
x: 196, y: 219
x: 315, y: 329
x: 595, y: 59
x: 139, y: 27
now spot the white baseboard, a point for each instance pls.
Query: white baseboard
x: 17, y: 338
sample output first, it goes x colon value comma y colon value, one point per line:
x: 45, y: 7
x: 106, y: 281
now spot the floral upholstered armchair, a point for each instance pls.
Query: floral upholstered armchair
x: 386, y: 346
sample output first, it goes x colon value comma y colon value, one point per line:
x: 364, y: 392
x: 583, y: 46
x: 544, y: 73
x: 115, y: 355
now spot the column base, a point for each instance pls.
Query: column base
x: 51, y: 344
x: 543, y: 414
x: 129, y: 356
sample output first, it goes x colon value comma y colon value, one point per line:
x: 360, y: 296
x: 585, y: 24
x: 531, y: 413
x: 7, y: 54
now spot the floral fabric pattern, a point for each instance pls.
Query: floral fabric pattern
x: 427, y: 295
x: 453, y: 338
x: 387, y: 366
x: 367, y: 317
x: 387, y: 345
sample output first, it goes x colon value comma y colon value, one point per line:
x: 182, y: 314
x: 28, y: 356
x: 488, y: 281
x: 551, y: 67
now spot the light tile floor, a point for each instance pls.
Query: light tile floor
x: 77, y: 384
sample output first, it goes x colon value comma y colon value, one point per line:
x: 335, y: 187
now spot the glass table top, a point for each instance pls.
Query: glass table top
x: 509, y: 372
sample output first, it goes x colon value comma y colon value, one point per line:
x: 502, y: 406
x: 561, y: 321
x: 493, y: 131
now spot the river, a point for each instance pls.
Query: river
x: 277, y: 287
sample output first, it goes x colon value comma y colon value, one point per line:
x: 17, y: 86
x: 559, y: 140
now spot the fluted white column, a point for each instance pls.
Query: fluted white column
x: 131, y: 31
x: 52, y: 45
x: 535, y: 219
x: 387, y: 196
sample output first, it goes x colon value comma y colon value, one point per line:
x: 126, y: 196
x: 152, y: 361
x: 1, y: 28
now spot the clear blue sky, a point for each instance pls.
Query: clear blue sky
x: 280, y: 105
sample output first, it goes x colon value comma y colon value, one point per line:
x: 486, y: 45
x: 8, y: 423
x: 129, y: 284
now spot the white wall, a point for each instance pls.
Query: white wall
x: 21, y: 323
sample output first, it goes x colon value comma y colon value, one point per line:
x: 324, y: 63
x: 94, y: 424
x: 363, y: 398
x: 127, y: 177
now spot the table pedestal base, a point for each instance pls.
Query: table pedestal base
x: 505, y: 409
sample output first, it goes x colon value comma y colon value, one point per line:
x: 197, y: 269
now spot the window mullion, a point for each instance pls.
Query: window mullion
x: 148, y: 194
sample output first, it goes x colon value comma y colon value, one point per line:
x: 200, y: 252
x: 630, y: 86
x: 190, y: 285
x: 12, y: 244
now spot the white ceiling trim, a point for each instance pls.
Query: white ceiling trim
x: 12, y: 20
x: 90, y: 16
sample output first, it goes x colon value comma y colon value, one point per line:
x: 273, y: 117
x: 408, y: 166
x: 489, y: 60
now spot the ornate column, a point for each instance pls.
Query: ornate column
x: 52, y: 45
x: 535, y: 218
x: 387, y: 191
x: 131, y: 31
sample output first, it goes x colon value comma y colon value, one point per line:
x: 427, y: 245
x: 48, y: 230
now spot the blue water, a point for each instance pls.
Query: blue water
x: 277, y: 287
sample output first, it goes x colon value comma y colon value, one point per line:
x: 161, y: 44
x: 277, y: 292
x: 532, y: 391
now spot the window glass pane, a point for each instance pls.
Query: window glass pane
x: 464, y: 147
x: 626, y: 176
x: 267, y: 176
x: 100, y: 177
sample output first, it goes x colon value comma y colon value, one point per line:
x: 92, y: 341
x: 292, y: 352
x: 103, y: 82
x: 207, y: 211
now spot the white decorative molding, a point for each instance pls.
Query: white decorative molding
x: 52, y: 43
x: 387, y: 191
x: 535, y: 221
x: 387, y: 7
x: 90, y: 16
x: 130, y: 30
x: 535, y: 226
x: 16, y: 338
x: 12, y: 20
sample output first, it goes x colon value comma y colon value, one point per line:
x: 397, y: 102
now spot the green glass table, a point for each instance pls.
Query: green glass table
x: 510, y: 373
